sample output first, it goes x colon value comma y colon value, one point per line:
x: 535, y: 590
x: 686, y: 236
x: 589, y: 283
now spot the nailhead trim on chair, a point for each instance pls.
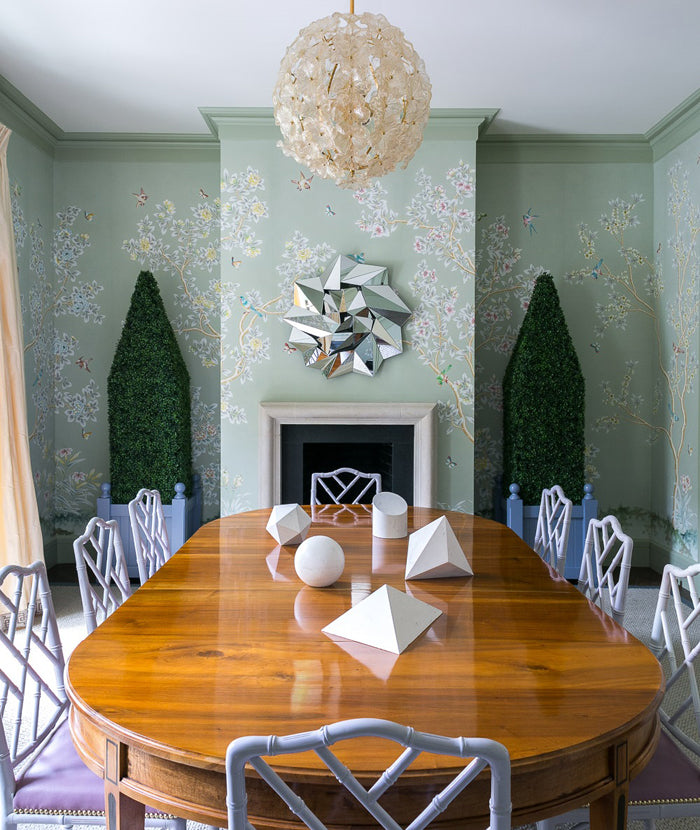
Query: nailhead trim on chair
x: 97, y: 813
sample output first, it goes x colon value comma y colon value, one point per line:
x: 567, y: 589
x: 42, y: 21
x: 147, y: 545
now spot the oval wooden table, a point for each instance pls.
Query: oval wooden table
x: 224, y: 640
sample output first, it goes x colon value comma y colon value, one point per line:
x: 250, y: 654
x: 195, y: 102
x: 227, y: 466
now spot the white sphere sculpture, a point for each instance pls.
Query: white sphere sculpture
x: 319, y: 561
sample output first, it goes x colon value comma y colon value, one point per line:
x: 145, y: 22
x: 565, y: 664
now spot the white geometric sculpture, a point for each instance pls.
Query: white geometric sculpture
x: 288, y: 523
x: 319, y: 561
x: 387, y: 619
x: 389, y: 516
x: 434, y: 552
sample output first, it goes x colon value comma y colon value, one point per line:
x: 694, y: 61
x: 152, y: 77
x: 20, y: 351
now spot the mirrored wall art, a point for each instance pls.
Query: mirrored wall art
x: 347, y: 320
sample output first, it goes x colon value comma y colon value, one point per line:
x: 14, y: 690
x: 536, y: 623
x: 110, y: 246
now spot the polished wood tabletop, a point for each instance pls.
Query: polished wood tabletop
x: 225, y: 640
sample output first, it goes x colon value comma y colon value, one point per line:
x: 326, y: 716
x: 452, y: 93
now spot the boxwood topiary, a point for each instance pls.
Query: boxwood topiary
x: 148, y: 391
x: 543, y: 402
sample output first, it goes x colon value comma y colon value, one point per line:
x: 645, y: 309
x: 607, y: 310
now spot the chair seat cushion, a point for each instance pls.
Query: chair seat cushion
x: 669, y: 776
x: 58, y: 781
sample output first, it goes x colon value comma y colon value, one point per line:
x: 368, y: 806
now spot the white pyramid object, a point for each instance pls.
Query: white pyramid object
x: 387, y: 619
x: 434, y: 553
x: 289, y: 524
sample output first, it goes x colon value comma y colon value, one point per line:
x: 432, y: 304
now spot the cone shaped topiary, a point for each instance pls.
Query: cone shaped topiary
x: 148, y: 392
x: 543, y: 403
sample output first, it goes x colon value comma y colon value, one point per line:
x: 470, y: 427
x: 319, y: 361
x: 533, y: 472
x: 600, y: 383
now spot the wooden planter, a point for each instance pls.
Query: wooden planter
x: 182, y: 518
x: 522, y: 518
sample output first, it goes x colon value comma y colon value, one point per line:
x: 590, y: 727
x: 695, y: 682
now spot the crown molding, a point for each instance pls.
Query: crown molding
x: 678, y: 126
x: 564, y: 149
x: 27, y: 119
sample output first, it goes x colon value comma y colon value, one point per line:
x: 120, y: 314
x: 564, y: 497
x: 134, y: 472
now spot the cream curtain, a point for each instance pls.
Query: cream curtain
x: 20, y: 533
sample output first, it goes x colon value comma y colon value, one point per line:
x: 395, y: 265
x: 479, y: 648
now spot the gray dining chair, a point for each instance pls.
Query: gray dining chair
x: 150, y: 535
x: 103, y: 577
x: 345, y: 486
x: 605, y: 566
x: 669, y: 786
x: 42, y: 778
x: 479, y: 752
x: 553, y: 524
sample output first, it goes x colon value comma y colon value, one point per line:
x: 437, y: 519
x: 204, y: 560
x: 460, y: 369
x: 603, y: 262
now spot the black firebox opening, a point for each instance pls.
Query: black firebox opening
x: 320, y: 448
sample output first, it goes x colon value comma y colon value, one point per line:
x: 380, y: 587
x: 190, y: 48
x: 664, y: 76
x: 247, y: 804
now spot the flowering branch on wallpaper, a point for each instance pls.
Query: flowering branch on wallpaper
x: 636, y: 288
x: 442, y: 328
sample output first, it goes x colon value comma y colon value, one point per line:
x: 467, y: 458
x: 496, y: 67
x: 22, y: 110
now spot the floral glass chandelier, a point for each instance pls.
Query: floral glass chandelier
x: 352, y: 98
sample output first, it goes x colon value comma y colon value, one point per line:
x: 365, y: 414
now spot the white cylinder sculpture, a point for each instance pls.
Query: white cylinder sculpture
x: 389, y: 516
x: 319, y: 561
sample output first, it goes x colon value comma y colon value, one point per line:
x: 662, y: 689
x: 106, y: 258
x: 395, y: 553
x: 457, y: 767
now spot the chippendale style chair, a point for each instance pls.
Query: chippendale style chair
x: 669, y: 786
x: 553, y: 523
x: 102, y: 571
x: 480, y: 753
x: 605, y: 566
x: 345, y: 486
x: 151, y: 543
x: 42, y: 779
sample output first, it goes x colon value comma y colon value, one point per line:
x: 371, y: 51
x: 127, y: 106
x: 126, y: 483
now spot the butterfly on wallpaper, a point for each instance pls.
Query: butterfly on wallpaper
x: 450, y: 462
x: 442, y: 376
x: 302, y: 182
x: 245, y: 302
x: 595, y: 273
x: 89, y: 216
x: 141, y: 197
x: 691, y: 450
x: 481, y: 216
x: 357, y: 257
x: 235, y: 262
x: 527, y: 220
x: 330, y: 211
x: 86, y: 435
x: 677, y: 349
x: 289, y: 349
x: 595, y: 347
x: 82, y: 363
x: 203, y: 194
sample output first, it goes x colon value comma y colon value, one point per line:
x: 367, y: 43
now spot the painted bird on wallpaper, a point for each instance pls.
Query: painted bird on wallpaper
x: 203, y: 194
x: 245, y: 302
x: 302, y: 182
x: 82, y: 363
x: 595, y: 273
x: 330, y: 211
x: 527, y: 220
x: 141, y: 197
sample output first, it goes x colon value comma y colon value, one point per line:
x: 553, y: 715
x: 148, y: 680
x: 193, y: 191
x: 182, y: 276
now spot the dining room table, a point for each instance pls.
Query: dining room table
x: 225, y: 640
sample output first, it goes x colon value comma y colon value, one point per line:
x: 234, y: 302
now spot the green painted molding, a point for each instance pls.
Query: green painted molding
x: 678, y: 126
x: 27, y: 119
x: 563, y: 149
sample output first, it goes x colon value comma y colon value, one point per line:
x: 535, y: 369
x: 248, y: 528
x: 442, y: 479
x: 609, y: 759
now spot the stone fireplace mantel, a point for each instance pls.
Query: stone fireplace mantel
x: 273, y: 414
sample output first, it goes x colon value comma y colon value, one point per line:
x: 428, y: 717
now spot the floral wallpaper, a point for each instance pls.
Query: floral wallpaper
x: 464, y: 243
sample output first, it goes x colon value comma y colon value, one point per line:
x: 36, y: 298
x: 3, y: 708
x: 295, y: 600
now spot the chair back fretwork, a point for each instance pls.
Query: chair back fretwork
x: 553, y: 523
x: 150, y: 535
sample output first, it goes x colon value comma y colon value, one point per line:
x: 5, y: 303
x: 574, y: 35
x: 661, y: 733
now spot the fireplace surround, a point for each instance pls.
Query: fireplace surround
x: 273, y: 415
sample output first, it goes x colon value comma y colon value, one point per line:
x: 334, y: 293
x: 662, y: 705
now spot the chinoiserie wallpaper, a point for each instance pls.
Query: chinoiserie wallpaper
x: 228, y: 226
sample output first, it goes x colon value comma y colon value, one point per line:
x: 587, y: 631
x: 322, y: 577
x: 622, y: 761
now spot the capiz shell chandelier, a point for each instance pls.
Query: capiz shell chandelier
x: 352, y: 98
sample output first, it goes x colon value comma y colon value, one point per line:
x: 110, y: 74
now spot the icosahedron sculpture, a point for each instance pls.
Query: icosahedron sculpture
x: 347, y: 320
x: 387, y: 619
x: 434, y: 552
x: 289, y: 524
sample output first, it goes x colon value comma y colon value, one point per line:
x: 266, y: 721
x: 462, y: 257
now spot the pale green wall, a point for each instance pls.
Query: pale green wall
x: 558, y: 185
x: 302, y: 230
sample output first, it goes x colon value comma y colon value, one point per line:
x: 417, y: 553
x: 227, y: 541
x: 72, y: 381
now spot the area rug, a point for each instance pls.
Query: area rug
x: 639, y: 615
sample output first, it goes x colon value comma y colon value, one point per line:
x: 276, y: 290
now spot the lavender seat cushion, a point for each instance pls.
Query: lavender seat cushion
x: 58, y: 780
x: 669, y: 776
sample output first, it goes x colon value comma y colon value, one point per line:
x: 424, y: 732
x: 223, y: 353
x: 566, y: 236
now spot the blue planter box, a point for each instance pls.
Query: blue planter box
x: 182, y: 518
x: 522, y: 518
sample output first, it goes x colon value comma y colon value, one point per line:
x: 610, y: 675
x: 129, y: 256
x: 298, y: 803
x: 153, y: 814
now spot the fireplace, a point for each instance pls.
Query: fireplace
x: 296, y: 439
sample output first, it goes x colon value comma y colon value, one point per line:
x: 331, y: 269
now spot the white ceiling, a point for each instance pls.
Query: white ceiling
x: 146, y: 66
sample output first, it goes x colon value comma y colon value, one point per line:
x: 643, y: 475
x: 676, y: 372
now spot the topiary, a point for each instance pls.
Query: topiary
x: 148, y: 391
x: 543, y: 402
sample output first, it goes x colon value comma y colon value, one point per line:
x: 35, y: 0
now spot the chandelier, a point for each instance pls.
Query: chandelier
x: 352, y: 98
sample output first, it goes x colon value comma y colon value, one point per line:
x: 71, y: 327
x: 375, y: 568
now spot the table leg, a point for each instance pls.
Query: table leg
x: 121, y: 813
x: 610, y: 812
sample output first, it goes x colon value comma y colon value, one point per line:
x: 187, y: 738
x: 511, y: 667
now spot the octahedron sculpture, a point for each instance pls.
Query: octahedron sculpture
x: 347, y: 320
x: 288, y: 524
x: 387, y: 619
x: 434, y: 552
